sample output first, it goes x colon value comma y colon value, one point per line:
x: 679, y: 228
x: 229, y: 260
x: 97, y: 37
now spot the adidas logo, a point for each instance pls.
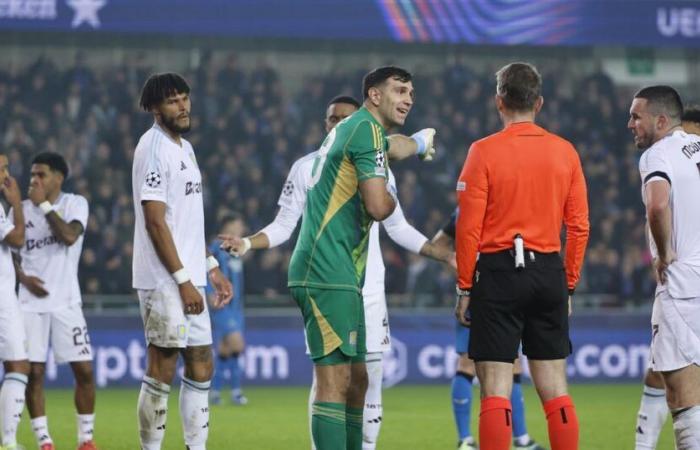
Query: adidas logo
x: 377, y: 420
x: 639, y: 430
x: 85, y: 351
x: 29, y: 224
x: 183, y: 166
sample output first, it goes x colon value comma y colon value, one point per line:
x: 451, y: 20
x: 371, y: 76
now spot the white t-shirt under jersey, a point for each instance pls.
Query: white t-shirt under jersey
x: 167, y: 172
x: 7, y: 269
x: 293, y: 198
x: 47, y: 258
x: 676, y: 158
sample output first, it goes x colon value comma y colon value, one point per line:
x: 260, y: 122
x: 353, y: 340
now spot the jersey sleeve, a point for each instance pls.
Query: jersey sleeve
x: 367, y: 150
x: 154, y: 185
x: 6, y: 224
x: 450, y: 228
x: 78, y: 211
x: 293, y: 195
x: 653, y: 166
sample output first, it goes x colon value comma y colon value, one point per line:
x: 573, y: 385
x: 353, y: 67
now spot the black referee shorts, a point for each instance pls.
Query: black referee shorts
x: 508, y: 306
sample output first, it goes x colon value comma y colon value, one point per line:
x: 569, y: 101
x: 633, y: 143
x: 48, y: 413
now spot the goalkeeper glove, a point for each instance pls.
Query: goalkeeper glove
x: 424, y: 141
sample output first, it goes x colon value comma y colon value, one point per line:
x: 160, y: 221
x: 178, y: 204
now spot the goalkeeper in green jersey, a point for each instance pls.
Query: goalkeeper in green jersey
x: 326, y: 272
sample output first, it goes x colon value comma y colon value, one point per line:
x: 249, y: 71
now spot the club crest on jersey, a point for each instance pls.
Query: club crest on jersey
x: 153, y: 179
x: 288, y: 188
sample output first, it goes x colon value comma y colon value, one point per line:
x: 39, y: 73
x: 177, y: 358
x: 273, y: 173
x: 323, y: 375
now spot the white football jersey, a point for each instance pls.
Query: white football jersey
x: 293, y: 197
x: 676, y: 159
x: 167, y: 172
x: 44, y: 256
x: 7, y: 269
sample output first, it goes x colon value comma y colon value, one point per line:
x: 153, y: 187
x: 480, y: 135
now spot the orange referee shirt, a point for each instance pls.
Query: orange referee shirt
x: 524, y: 180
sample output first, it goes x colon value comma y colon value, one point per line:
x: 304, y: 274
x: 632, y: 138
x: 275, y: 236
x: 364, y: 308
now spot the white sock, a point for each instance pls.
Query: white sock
x: 152, y: 412
x: 40, y: 426
x: 312, y: 397
x: 373, y: 402
x: 86, y: 427
x: 194, y: 412
x: 686, y: 426
x: 12, y: 405
x: 653, y: 411
x: 522, y: 440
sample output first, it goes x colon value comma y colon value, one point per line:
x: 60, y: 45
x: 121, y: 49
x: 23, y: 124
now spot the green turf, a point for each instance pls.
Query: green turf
x: 417, y: 418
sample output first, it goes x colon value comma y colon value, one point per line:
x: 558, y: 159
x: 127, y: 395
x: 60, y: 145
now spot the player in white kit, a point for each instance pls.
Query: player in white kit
x: 292, y: 201
x: 13, y: 340
x: 670, y: 173
x: 170, y: 266
x: 49, y: 294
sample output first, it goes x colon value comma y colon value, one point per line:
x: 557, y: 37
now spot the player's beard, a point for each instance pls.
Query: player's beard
x: 171, y: 124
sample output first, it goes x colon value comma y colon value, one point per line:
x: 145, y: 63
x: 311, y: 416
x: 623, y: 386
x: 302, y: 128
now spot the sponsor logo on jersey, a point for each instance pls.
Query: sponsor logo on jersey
x: 193, y: 187
x: 40, y: 243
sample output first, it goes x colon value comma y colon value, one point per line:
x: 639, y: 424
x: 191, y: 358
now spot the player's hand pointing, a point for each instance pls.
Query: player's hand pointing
x: 426, y: 148
x: 661, y: 263
x: 223, y: 289
x: 192, y: 301
x: 234, y: 245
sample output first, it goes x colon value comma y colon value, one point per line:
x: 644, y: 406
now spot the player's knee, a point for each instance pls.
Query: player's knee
x: 36, y: 374
x: 17, y: 367
x: 84, y: 375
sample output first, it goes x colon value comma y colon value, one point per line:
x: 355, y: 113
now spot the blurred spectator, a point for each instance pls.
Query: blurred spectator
x: 247, y: 130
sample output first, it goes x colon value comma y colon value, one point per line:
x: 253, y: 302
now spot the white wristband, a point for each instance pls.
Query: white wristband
x: 246, y: 245
x: 181, y: 276
x: 45, y: 207
x: 212, y: 263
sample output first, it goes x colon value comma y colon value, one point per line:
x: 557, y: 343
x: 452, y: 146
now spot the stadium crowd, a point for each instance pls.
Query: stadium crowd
x: 247, y: 129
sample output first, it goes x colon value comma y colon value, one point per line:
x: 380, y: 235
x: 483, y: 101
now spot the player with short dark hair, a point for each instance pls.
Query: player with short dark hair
x: 13, y: 338
x: 670, y: 172
x: 517, y: 189
x: 49, y: 293
x: 170, y: 266
x: 690, y: 120
x: 292, y: 202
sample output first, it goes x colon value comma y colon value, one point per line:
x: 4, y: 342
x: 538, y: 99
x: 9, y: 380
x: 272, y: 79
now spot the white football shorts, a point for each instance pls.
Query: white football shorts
x: 377, y: 323
x: 13, y: 339
x: 675, y: 328
x: 64, y: 330
x: 165, y: 322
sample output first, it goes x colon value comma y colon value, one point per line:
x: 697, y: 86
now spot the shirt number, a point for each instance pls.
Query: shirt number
x: 321, y: 158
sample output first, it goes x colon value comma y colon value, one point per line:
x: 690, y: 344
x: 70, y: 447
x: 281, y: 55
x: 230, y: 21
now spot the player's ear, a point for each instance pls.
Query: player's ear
x: 375, y: 95
x: 538, y: 104
x: 499, y: 103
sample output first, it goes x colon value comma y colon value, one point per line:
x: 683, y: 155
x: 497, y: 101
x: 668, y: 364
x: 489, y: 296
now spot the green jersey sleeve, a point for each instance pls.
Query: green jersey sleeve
x: 367, y: 151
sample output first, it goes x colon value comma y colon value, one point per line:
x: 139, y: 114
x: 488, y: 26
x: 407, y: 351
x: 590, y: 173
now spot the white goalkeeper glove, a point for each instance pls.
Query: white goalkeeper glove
x: 424, y: 139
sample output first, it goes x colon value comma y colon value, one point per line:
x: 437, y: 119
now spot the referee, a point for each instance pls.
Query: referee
x: 517, y: 188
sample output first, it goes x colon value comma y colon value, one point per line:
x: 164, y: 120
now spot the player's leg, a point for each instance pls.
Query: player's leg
x: 12, y: 399
x: 462, y: 390
x: 194, y: 391
x: 373, y: 410
x: 236, y: 344
x: 164, y: 329
x: 683, y: 393
x: 37, y: 327
x: 71, y: 343
x: 546, y: 343
x: 16, y: 364
x: 653, y: 411
x: 328, y: 315
x: 675, y: 352
x: 521, y: 438
x: 357, y: 389
x: 377, y: 340
x: 220, y: 366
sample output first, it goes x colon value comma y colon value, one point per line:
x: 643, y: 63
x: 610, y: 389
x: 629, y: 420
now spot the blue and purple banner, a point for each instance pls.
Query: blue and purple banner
x: 606, y: 349
x: 492, y: 22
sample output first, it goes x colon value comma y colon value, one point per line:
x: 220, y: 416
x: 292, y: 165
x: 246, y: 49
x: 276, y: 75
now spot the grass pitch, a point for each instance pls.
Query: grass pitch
x: 415, y: 417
